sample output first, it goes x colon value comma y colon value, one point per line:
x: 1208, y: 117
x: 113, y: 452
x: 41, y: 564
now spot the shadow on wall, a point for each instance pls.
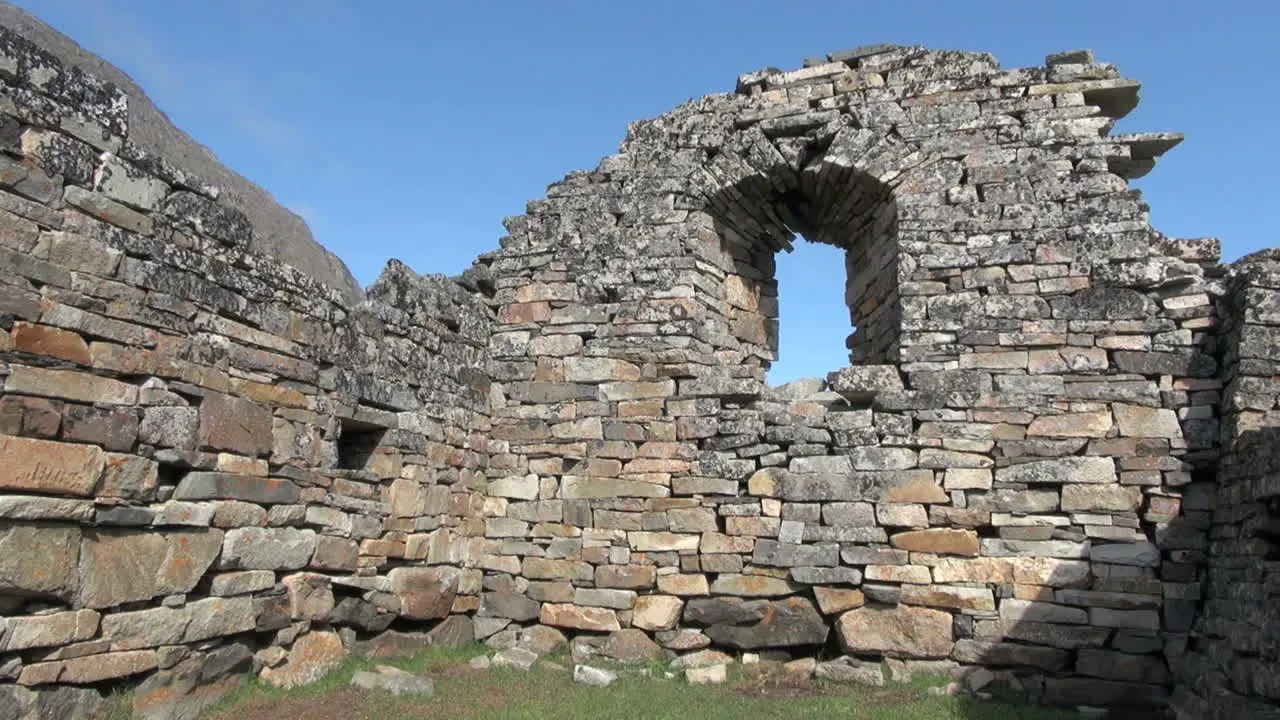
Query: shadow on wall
x: 1232, y: 664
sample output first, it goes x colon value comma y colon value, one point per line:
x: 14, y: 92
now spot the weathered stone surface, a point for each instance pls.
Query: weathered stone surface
x: 596, y: 677
x: 40, y: 561
x: 424, y: 593
x: 631, y: 646
x: 394, y: 681
x: 129, y: 477
x: 707, y: 675
x: 312, y: 657
x: 393, y: 644
x: 255, y: 548
x: 42, y: 466
x: 1102, y: 498
x: 200, y: 620
x: 118, y: 567
x: 786, y: 623
x: 1140, y: 421
x: 38, y: 507
x: 939, y: 541
x: 656, y: 612
x: 50, y: 341
x: 1062, y: 470
x: 310, y: 595
x: 909, y: 632
x: 241, y: 583
x: 184, y: 691
x: 579, y: 618
x: 1051, y: 572
x: 581, y: 418
x: 515, y: 657
x: 949, y: 596
x: 62, y: 628
x: 21, y: 703
x: 235, y: 425
x: 1088, y: 424
x: 227, y: 486
x: 69, y: 385
x: 514, y: 606
x: 978, y: 652
x: 724, y: 611
x: 751, y: 586
x: 542, y: 640
x: 850, y: 671
x: 89, y: 669
x: 836, y: 600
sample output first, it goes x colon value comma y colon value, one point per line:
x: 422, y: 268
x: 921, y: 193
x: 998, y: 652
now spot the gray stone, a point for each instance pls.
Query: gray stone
x: 255, y: 548
x: 848, y: 670
x: 169, y: 427
x: 121, y: 566
x: 596, y: 677
x: 515, y: 657
x: 1062, y: 470
x: 724, y: 611
x: 396, y: 682
x: 226, y: 486
x: 786, y: 623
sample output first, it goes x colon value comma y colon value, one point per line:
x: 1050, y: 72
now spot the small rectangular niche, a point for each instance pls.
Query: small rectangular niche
x: 357, y: 442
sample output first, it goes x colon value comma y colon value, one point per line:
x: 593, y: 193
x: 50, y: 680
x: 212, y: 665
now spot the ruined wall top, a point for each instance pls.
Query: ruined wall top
x: 33, y: 52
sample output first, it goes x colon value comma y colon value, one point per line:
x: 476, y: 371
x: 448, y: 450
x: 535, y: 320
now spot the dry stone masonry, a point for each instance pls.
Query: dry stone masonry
x: 1050, y: 464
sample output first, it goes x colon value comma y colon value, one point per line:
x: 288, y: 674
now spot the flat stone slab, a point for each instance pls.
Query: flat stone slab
x: 394, y: 681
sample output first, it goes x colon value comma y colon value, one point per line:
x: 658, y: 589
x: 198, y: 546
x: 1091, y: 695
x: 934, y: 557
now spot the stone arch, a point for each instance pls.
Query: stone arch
x: 975, y: 173
x: 835, y: 183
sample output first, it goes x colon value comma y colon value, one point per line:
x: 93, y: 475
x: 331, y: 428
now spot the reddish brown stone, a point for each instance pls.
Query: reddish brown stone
x: 424, y: 593
x: 525, y: 312
x: 30, y: 416
x: 625, y: 576
x: 233, y: 424
x: 580, y: 618
x: 916, y: 491
x: 114, y: 429
x: 312, y: 657
x: 905, y: 632
x: 51, y: 342
x: 49, y: 467
x: 942, y: 541
x: 837, y: 600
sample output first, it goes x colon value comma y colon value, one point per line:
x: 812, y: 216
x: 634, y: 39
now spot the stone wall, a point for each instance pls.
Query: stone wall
x: 1000, y: 483
x: 1047, y: 466
x: 210, y: 463
x: 1233, y: 667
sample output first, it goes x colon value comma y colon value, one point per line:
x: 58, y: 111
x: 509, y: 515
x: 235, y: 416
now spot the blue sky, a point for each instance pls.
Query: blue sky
x: 410, y: 128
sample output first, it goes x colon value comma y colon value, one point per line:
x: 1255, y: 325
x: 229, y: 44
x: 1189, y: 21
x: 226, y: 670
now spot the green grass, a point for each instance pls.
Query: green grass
x: 465, y: 694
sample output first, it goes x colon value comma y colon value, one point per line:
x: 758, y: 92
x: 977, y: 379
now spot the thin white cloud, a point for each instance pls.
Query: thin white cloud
x: 118, y: 37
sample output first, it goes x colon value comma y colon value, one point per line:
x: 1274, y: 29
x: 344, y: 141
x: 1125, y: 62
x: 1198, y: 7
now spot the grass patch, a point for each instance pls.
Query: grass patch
x: 467, y: 694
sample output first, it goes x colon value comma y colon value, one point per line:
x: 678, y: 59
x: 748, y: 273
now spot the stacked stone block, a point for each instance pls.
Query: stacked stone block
x: 209, y: 463
x: 1232, y: 668
x: 1047, y: 464
x: 1005, y: 489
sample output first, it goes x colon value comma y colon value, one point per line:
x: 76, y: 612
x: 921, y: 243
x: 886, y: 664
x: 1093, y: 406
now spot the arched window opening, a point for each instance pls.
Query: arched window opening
x: 768, y: 225
x: 814, y: 322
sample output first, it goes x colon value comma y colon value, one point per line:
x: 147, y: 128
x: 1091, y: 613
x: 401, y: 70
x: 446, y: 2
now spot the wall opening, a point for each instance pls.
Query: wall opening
x: 776, y: 218
x: 357, y: 442
x: 814, y: 321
